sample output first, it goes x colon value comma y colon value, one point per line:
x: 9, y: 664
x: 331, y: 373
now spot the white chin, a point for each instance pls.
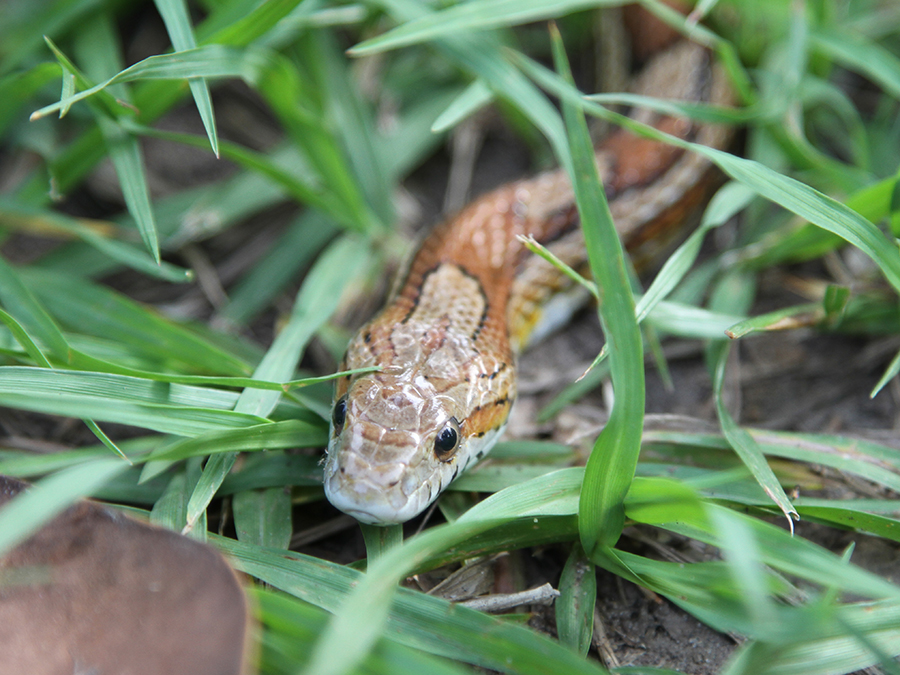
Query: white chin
x: 367, y: 507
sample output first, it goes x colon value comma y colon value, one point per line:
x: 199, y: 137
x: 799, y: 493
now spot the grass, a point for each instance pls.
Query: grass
x: 820, y: 173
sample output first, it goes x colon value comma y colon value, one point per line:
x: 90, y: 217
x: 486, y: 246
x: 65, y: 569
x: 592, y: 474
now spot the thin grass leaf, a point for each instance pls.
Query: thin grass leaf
x: 169, y: 510
x: 610, y: 468
x: 741, y: 551
x: 253, y: 25
x: 552, y: 494
x: 95, y: 310
x: 472, y: 16
x: 482, y: 58
x: 68, y: 88
x: 211, y: 61
x: 127, y: 158
x: 263, y: 517
x: 305, y: 188
x: 380, y: 540
x: 21, y: 336
x: 105, y: 100
x: 178, y: 25
x: 781, y: 319
x: 725, y: 204
x: 860, y: 54
x: 743, y: 443
x: 575, y: 605
x: 92, y: 233
x: 316, y: 301
x: 804, y: 559
x: 268, y: 436
x: 28, y: 312
x: 292, y: 625
x: 417, y: 620
x: 473, y: 98
x: 366, y: 610
x: 355, y: 123
x: 889, y: 374
x: 169, y: 408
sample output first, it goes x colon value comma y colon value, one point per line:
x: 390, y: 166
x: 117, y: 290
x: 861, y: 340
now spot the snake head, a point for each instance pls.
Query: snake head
x: 398, y: 437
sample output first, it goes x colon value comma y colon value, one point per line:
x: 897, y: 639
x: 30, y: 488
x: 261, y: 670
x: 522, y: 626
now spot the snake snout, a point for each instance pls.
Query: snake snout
x: 369, y: 492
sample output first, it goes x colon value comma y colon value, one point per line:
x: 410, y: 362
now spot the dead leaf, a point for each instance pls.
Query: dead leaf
x: 95, y: 591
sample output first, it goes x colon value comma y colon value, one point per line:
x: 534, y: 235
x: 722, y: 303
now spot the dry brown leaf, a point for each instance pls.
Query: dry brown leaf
x: 95, y: 591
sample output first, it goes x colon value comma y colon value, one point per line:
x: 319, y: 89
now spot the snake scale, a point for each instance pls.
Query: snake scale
x: 473, y: 296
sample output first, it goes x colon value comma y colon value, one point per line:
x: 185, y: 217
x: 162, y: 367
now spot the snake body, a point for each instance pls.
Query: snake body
x: 473, y: 297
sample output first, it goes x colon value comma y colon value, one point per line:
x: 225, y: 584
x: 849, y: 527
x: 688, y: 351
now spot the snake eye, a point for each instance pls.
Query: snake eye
x: 339, y: 414
x: 447, y: 440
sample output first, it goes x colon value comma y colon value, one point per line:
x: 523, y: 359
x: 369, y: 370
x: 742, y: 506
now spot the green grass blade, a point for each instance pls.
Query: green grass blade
x: 889, y: 374
x: 95, y: 310
x: 128, y: 160
x: 743, y: 443
x: 316, y: 301
x: 474, y: 97
x: 727, y: 202
x: 169, y: 408
x: 417, y: 620
x: 268, y: 436
x: 27, y: 218
x: 472, y: 16
x: 21, y: 336
x: 611, y: 465
x: 860, y: 54
x: 292, y: 625
x: 483, y: 58
x: 211, y: 61
x: 367, y: 609
x: 575, y: 605
x: 253, y: 25
x: 263, y: 517
x: 29, y: 313
x: 175, y: 15
x: 379, y: 540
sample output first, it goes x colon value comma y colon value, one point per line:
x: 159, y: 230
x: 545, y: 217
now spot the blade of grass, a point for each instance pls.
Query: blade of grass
x: 211, y: 61
x: 743, y: 443
x: 471, y: 16
x: 575, y: 605
x: 610, y: 468
x: 29, y: 313
x: 263, y: 517
x: 417, y: 620
x: 175, y: 16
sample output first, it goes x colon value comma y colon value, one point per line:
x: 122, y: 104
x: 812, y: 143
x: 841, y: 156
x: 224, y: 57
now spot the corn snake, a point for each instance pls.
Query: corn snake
x: 473, y: 297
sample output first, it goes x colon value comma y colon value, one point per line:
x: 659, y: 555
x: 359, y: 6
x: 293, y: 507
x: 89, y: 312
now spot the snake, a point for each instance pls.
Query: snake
x: 473, y: 297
